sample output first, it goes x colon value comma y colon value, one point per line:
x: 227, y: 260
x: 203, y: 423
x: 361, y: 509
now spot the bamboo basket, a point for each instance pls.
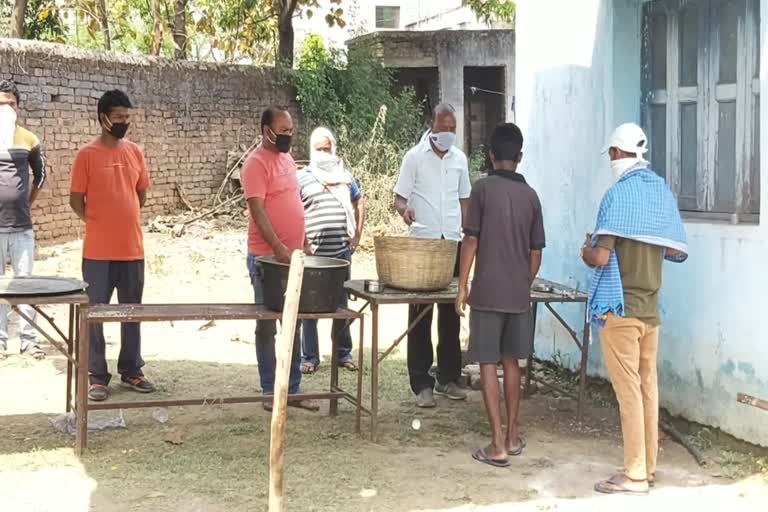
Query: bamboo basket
x: 415, y: 264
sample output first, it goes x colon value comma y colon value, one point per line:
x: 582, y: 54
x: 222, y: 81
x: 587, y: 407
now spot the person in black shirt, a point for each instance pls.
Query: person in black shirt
x: 504, y: 231
x: 20, y: 153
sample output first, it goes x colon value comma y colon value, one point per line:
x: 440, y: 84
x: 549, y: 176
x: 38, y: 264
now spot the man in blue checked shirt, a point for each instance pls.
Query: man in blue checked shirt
x: 638, y: 227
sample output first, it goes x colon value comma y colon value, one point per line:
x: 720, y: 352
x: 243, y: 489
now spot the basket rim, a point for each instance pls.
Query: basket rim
x: 438, y: 240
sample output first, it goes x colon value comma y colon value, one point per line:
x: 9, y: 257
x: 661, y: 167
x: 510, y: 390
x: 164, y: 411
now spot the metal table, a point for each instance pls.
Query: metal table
x: 67, y: 342
x: 103, y: 313
x: 544, y: 292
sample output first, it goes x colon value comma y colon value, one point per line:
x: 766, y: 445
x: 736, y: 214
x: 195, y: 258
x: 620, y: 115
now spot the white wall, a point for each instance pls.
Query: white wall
x: 577, y: 77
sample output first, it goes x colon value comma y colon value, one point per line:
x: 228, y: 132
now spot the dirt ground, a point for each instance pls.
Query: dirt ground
x: 222, y: 461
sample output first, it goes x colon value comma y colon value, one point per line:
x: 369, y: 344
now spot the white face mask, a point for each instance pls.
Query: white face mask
x: 443, y: 140
x: 622, y: 165
x: 325, y: 161
x: 7, y: 126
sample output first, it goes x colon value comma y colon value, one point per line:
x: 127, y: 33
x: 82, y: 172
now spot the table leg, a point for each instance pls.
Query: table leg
x: 76, y: 344
x: 81, y: 400
x: 334, y: 405
x: 70, y: 348
x: 360, y: 363
x: 374, y: 370
x: 529, y: 363
x: 583, y: 369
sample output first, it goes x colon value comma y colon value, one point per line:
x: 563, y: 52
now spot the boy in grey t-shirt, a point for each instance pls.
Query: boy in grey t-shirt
x: 504, y: 229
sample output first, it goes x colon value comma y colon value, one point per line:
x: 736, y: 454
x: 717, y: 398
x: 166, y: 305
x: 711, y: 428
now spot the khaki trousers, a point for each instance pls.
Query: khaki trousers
x: 630, y: 348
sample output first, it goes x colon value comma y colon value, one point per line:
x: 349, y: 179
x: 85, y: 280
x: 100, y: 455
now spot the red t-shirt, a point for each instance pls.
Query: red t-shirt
x: 271, y: 176
x: 111, y: 179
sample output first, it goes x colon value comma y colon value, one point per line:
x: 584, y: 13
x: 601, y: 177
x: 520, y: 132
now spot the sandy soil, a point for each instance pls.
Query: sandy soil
x: 221, y: 464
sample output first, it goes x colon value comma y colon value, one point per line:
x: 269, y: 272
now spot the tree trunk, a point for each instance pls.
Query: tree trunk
x: 180, y: 28
x: 17, y: 18
x: 285, y: 45
x: 104, y: 20
x: 157, y: 35
x: 285, y: 32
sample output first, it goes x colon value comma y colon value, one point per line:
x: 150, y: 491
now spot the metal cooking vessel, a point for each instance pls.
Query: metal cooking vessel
x: 322, y: 288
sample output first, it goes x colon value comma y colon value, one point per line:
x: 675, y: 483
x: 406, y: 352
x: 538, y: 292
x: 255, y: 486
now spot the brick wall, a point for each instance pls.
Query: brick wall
x: 188, y: 117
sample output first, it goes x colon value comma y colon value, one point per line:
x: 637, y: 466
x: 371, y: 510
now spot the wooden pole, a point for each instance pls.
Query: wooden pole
x: 284, y: 353
x: 750, y: 400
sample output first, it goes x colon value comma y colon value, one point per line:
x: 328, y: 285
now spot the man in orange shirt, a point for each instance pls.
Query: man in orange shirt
x: 276, y: 228
x: 109, y: 187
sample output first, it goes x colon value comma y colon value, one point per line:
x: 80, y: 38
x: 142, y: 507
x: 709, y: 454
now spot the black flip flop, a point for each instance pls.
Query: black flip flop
x: 480, y: 456
x: 521, y: 446
x: 35, y: 352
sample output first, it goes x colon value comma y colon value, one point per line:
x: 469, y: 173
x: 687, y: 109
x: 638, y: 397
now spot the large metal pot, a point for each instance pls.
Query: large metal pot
x: 322, y: 288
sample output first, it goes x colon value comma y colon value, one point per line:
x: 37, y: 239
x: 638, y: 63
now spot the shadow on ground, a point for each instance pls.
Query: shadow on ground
x: 222, y: 461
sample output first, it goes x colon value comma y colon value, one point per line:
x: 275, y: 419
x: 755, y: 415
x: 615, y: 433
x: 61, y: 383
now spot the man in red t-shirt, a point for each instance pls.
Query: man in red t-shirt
x: 276, y: 227
x: 109, y: 187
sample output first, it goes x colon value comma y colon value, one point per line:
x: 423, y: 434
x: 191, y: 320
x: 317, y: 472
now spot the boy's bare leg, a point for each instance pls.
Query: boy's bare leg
x: 512, y: 401
x: 490, y: 385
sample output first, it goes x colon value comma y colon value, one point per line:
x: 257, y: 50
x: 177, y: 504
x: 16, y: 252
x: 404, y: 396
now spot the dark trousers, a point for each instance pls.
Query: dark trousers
x: 103, y: 277
x: 420, y: 351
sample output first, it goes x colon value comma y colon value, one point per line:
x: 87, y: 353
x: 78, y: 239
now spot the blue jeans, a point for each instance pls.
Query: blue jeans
x: 265, y: 339
x: 310, y: 352
x: 19, y: 248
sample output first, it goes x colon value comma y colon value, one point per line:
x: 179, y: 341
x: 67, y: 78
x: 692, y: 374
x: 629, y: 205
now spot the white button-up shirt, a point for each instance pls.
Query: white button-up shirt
x: 433, y: 187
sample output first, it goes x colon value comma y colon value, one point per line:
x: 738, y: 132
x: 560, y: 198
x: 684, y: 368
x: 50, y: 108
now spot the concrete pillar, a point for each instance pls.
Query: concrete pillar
x: 452, y: 90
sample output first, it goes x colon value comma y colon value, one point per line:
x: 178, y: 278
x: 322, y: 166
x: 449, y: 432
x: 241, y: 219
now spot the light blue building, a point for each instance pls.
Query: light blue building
x: 692, y: 73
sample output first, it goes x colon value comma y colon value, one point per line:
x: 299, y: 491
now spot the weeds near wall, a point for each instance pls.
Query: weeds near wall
x: 352, y: 94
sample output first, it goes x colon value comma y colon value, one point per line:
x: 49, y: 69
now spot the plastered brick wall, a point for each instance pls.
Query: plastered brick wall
x: 188, y: 117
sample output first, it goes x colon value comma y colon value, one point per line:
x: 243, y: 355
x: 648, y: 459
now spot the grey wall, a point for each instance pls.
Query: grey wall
x: 188, y: 117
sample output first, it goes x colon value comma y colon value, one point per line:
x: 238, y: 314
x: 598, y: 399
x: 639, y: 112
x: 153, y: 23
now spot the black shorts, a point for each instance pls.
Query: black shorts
x: 494, y: 336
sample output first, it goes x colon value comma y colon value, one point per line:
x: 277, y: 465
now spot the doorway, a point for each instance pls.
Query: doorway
x: 484, y: 100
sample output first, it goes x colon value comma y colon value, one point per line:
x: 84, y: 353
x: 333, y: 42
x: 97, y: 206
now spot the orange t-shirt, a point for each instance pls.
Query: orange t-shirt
x: 271, y: 176
x: 111, y: 179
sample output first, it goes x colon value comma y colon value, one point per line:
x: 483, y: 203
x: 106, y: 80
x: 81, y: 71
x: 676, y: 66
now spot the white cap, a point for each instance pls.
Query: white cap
x: 630, y: 138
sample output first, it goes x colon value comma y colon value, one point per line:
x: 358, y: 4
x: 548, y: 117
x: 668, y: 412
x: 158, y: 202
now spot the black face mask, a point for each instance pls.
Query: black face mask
x: 119, y: 130
x: 282, y: 142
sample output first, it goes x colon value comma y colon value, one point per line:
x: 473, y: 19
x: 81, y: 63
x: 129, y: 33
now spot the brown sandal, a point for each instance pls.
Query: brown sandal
x: 307, y: 405
x: 349, y: 366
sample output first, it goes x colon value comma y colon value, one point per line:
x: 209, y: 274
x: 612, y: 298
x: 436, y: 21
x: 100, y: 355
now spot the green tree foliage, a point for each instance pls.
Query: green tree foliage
x: 344, y: 91
x: 352, y: 94
x: 214, y: 30
x: 43, y: 21
x: 490, y: 10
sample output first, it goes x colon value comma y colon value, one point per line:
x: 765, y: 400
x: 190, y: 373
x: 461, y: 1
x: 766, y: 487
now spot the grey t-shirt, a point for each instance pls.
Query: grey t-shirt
x: 505, y: 215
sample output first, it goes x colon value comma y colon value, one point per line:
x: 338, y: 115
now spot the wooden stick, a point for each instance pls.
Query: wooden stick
x: 213, y: 210
x: 183, y: 197
x: 682, y: 440
x: 232, y: 171
x: 750, y: 400
x: 284, y: 353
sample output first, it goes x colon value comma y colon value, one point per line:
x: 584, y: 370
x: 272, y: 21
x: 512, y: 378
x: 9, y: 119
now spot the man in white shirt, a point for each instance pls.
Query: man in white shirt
x: 431, y: 195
